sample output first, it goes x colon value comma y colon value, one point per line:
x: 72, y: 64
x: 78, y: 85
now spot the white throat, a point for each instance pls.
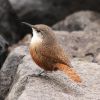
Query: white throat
x: 36, y: 38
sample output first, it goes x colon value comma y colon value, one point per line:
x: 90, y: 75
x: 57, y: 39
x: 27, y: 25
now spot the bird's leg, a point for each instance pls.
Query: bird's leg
x: 38, y: 73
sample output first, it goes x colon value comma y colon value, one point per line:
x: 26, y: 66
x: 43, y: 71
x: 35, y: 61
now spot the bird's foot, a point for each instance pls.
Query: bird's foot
x: 37, y: 74
x: 41, y: 73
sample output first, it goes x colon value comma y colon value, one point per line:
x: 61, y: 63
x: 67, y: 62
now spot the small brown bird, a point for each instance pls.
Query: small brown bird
x: 47, y: 53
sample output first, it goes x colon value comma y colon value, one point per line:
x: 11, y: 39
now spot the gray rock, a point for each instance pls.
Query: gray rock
x: 84, y: 45
x: 97, y: 59
x: 83, y: 36
x: 80, y: 21
x: 8, y: 70
x: 17, y: 76
x: 55, y: 85
x: 18, y: 82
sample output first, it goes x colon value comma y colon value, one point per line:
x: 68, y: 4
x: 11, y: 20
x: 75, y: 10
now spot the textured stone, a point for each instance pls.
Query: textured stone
x: 55, y: 85
x: 20, y: 69
x: 83, y: 34
x: 8, y: 70
x: 80, y: 21
x: 84, y: 45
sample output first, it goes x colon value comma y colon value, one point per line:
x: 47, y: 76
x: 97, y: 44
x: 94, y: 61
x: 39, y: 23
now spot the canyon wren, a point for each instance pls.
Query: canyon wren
x: 47, y: 53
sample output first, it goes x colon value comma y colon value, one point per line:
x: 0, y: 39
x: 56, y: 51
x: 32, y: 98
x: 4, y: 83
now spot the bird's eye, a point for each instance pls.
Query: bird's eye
x: 38, y: 31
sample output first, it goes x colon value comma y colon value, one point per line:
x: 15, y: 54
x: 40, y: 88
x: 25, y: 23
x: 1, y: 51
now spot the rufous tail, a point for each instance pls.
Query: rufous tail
x: 70, y: 72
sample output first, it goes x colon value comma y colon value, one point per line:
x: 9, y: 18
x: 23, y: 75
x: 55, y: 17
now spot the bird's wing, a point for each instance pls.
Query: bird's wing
x: 54, y: 53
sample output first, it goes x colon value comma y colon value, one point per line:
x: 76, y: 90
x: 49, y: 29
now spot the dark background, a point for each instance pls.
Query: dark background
x: 49, y: 12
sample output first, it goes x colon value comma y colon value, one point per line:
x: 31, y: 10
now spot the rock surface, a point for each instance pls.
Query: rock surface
x: 50, y: 86
x: 8, y: 70
x: 80, y: 44
x: 83, y: 36
x: 80, y: 21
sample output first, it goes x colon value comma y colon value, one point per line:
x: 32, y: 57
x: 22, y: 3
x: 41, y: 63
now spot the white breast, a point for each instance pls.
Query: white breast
x: 37, y: 38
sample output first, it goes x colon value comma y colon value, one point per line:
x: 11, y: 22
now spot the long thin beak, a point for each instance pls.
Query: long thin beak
x: 27, y: 24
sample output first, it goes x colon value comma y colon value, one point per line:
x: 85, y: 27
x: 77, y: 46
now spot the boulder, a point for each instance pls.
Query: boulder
x: 18, y: 80
x: 9, y: 68
x: 80, y: 21
x: 51, y: 86
x: 83, y: 35
x: 84, y: 45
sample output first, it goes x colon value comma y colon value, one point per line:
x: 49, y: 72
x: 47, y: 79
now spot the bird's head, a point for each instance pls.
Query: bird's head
x: 40, y: 32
